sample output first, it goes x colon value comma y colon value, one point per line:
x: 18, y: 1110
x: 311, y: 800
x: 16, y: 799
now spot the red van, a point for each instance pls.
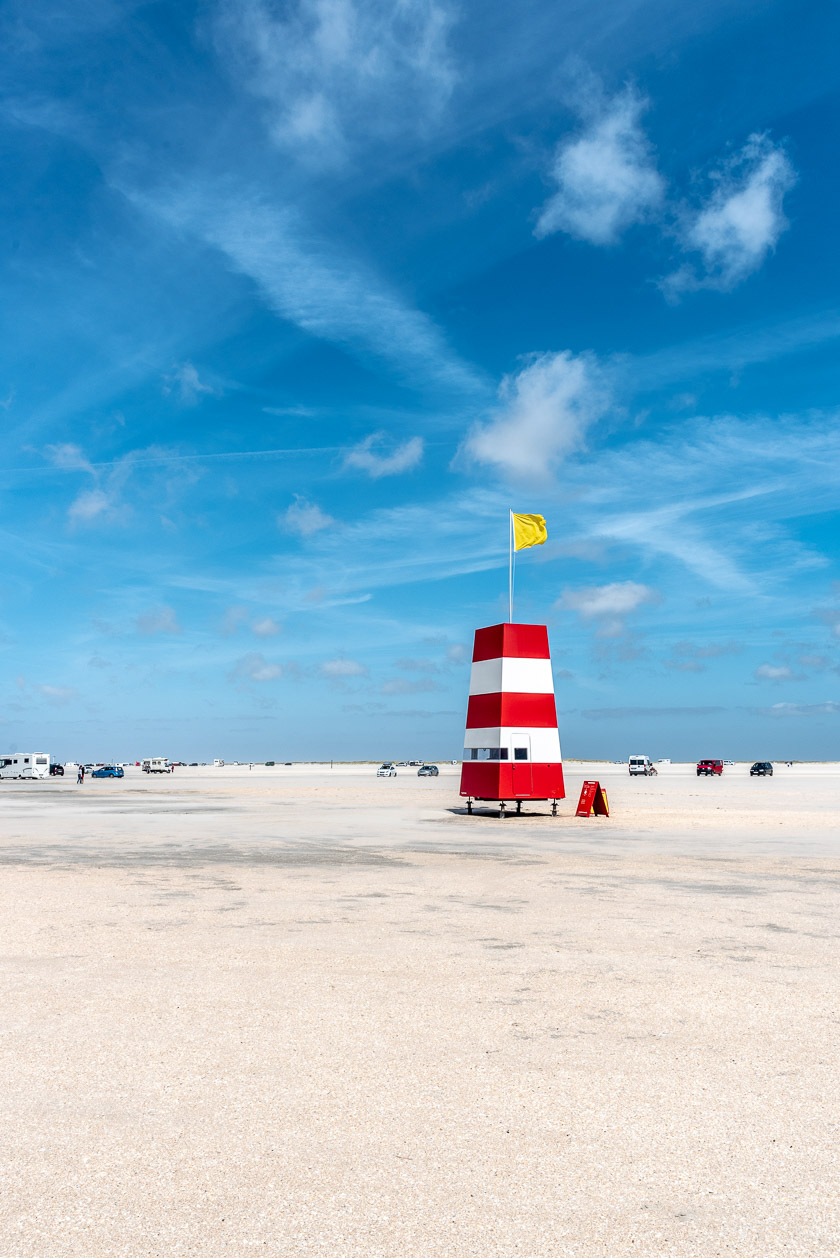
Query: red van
x: 709, y: 767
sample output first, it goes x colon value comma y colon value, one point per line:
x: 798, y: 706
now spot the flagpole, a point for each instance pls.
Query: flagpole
x: 510, y: 568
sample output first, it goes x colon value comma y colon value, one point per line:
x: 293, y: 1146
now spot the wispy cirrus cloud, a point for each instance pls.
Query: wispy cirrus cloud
x: 373, y: 456
x: 338, y: 76
x: 740, y: 223
x: 315, y: 285
x: 606, y: 175
x: 186, y: 382
x: 830, y: 708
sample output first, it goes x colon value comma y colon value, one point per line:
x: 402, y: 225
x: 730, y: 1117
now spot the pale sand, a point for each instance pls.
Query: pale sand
x: 299, y: 1012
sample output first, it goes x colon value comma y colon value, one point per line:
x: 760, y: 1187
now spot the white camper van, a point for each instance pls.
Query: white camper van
x: 641, y: 765
x: 25, y: 764
x: 158, y: 764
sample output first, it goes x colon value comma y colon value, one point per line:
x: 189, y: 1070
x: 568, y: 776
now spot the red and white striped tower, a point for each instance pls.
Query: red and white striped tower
x: 512, y: 745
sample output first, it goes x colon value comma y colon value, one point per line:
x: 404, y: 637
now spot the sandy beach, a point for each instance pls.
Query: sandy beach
x: 302, y: 1011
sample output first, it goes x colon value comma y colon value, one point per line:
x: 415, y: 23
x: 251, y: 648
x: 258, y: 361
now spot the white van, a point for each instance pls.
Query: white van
x: 641, y: 765
x: 158, y: 764
x: 218, y: 764
x: 21, y: 764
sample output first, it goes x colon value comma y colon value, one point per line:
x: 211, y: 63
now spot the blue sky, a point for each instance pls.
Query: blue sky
x: 299, y: 298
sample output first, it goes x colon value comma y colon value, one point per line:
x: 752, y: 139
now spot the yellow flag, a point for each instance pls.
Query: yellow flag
x: 528, y: 530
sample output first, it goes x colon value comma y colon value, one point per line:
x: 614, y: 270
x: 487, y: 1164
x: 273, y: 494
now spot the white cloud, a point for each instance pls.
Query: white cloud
x: 88, y: 505
x: 773, y: 672
x: 829, y: 708
x: 265, y: 628
x: 318, y: 287
x: 546, y: 410
x: 342, y: 667
x: 608, y: 604
x: 186, y: 380
x: 367, y: 458
x: 59, y: 695
x: 255, y: 667
x: 161, y: 620
x: 304, y: 517
x: 606, y: 177
x: 741, y: 222
x: 339, y: 75
x: 69, y: 457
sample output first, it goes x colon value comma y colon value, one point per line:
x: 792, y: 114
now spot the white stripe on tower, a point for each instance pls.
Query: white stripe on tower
x: 507, y: 672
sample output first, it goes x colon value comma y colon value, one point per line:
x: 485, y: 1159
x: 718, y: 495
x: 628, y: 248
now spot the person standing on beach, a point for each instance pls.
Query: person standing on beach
x: 81, y: 775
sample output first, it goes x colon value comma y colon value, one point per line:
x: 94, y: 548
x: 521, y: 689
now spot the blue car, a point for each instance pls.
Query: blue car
x: 108, y: 771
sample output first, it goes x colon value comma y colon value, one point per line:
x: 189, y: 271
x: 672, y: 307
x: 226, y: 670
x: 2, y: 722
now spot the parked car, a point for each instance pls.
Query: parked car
x: 641, y: 765
x: 427, y: 771
x: 109, y: 771
x: 57, y: 770
x: 761, y: 769
x: 386, y: 771
x: 710, y: 768
x: 415, y: 764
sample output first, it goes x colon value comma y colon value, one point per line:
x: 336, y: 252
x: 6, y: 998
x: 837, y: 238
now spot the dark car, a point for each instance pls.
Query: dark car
x: 761, y: 769
x: 57, y: 770
x: 109, y: 771
x: 427, y: 771
x: 709, y: 768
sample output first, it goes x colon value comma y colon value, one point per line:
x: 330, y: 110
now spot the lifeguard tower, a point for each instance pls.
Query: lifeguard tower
x: 512, y: 744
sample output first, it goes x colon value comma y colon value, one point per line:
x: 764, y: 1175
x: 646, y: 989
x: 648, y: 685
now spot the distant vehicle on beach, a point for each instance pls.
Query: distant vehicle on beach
x: 709, y: 768
x: 427, y: 770
x: 386, y: 771
x: 157, y: 764
x: 761, y: 769
x: 56, y: 770
x: 109, y: 771
x: 641, y: 765
x: 20, y: 764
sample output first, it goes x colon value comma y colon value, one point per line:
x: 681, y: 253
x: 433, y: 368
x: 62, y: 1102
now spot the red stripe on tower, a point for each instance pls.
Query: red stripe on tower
x: 514, y: 641
x: 509, y: 708
x: 512, y: 744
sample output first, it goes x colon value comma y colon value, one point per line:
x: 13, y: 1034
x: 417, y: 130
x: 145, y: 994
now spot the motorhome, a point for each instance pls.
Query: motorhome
x: 25, y: 764
x: 158, y: 764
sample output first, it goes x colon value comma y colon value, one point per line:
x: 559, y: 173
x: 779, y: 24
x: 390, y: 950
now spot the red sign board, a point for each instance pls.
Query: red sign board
x: 593, y: 798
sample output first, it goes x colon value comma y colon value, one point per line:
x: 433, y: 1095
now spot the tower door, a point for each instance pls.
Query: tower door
x: 521, y: 755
